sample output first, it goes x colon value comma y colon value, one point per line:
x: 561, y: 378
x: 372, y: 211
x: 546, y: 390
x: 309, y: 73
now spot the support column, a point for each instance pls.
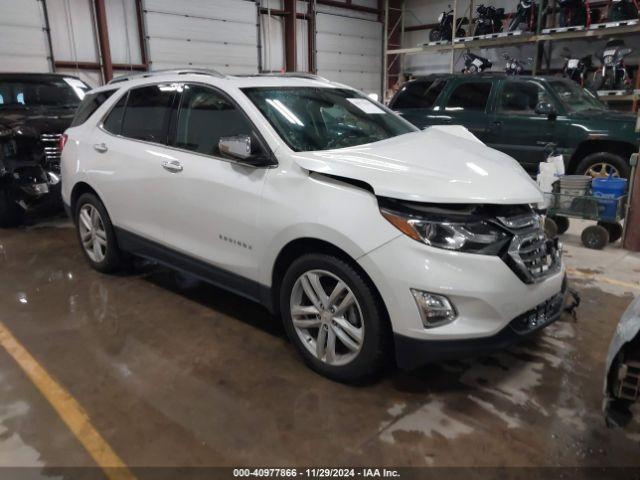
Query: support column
x: 290, y: 36
x: 103, y: 40
x: 631, y: 240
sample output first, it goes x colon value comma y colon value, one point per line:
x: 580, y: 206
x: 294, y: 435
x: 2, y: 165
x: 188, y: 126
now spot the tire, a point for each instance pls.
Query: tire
x: 597, y: 81
x: 614, y: 230
x: 435, y: 35
x: 110, y: 258
x: 595, y: 237
x: 461, y: 33
x: 550, y: 228
x: 11, y: 215
x: 365, y: 318
x: 562, y: 223
x: 600, y: 164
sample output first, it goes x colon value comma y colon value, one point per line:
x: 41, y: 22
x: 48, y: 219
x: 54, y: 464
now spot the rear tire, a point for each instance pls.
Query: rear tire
x: 595, y: 237
x: 11, y: 215
x: 363, y: 324
x: 96, y: 235
x: 614, y: 230
x: 601, y: 164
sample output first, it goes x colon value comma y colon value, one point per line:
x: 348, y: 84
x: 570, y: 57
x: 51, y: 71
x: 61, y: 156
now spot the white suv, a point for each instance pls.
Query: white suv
x: 366, y: 235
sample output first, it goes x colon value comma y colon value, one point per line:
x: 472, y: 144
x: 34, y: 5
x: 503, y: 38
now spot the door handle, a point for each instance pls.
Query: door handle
x: 173, y: 166
x: 497, y: 123
x: 100, y: 147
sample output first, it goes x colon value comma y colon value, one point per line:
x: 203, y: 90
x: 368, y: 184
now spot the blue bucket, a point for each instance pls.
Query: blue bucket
x: 608, y: 190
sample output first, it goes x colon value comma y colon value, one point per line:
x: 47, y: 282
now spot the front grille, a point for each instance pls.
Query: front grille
x: 540, y: 316
x: 530, y: 255
x: 50, y: 142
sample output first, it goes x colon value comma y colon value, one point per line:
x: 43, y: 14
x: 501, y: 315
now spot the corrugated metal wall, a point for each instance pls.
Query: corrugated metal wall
x: 23, y: 39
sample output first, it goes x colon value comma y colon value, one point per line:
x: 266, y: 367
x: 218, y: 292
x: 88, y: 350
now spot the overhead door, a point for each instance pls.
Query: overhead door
x: 349, y: 51
x: 23, y: 39
x: 218, y: 34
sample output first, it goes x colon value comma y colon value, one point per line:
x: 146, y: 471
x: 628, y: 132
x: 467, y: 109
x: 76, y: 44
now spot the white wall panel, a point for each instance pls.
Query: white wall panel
x: 23, y: 41
x: 272, y: 43
x: 220, y: 34
x: 348, y: 50
x: 123, y: 31
x: 72, y: 30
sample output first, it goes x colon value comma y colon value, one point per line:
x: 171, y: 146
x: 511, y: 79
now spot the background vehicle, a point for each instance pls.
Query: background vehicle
x: 525, y: 16
x: 521, y: 115
x: 612, y: 75
x: 475, y: 63
x: 488, y: 20
x: 444, y: 30
x: 576, y: 69
x: 622, y: 376
x: 272, y: 170
x: 623, y: 10
x: 513, y: 66
x: 34, y: 111
x: 577, y: 12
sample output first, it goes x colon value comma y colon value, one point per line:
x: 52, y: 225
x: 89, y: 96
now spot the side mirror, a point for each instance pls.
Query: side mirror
x: 545, y: 108
x: 238, y: 148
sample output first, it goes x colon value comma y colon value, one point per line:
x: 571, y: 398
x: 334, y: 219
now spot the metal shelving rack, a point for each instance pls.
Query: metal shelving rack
x: 537, y: 38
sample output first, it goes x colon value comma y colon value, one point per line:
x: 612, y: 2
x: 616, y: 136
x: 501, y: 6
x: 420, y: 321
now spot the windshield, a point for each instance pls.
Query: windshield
x: 310, y: 118
x: 574, y: 97
x: 62, y: 92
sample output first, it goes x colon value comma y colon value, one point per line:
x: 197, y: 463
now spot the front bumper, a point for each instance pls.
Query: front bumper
x: 412, y: 353
x: 487, y: 295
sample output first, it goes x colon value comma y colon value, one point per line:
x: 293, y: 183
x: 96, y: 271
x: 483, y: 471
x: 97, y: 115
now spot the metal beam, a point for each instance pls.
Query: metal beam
x: 103, y: 40
x: 311, y: 35
x: 141, y: 34
x: 290, y: 36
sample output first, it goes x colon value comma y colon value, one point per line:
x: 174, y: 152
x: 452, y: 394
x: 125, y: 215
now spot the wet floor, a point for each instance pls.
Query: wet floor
x: 176, y: 372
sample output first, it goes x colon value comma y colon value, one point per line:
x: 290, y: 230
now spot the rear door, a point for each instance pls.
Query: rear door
x: 516, y: 128
x: 416, y: 99
x: 467, y: 103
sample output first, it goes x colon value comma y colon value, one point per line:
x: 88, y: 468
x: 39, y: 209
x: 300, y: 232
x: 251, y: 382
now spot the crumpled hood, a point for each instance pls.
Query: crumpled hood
x: 442, y: 164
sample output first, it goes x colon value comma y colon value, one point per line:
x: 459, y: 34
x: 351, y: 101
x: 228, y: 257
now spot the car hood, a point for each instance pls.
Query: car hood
x: 38, y: 119
x: 442, y: 164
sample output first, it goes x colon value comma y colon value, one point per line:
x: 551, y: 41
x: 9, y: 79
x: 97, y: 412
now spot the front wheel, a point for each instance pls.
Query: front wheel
x: 435, y: 35
x: 11, y: 214
x: 333, y: 317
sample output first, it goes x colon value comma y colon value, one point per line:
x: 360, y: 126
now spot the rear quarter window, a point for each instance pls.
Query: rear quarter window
x: 418, y: 94
x: 90, y: 103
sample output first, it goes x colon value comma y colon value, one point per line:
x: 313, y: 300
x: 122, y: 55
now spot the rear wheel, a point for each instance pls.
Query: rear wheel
x: 96, y: 234
x: 614, y: 230
x: 332, y: 315
x: 603, y: 164
x: 11, y: 214
x: 595, y: 237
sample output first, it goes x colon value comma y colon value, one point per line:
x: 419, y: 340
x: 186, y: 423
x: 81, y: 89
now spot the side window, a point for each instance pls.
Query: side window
x: 521, y: 97
x: 90, y: 103
x: 147, y: 114
x: 469, y: 96
x: 419, y: 94
x: 113, y: 122
x: 205, y: 116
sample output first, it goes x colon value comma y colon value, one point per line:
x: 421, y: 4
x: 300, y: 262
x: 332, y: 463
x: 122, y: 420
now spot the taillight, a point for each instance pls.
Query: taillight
x: 62, y: 141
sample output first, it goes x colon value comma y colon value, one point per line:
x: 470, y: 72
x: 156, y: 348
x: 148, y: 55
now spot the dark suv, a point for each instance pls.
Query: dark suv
x: 35, y: 109
x: 522, y: 115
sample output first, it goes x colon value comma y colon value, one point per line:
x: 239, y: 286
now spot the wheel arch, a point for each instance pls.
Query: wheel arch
x: 300, y: 246
x: 621, y: 148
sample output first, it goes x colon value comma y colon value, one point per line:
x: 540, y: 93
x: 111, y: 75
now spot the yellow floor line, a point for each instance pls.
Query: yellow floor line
x: 68, y: 408
x: 601, y: 278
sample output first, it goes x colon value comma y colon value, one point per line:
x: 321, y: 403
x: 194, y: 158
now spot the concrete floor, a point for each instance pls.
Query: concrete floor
x: 175, y: 372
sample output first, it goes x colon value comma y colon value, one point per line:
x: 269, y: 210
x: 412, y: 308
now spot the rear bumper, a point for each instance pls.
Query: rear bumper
x: 412, y: 352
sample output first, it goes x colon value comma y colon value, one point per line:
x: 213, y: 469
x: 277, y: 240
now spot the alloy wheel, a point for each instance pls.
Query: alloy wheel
x: 92, y: 233
x: 327, y: 317
x: 602, y: 170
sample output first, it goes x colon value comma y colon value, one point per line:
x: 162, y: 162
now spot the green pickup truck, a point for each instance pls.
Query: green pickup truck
x: 522, y: 115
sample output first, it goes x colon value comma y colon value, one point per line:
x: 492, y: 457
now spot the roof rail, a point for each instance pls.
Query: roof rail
x: 175, y: 71
x: 310, y: 76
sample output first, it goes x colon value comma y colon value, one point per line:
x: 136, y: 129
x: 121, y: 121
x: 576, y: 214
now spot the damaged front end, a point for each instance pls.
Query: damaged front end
x: 622, y: 381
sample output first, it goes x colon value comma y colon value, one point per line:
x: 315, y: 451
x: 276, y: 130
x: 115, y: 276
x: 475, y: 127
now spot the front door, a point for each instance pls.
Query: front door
x: 467, y: 104
x: 516, y: 128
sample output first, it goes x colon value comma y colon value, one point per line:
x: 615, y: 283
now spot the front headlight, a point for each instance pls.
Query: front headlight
x: 473, y: 236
